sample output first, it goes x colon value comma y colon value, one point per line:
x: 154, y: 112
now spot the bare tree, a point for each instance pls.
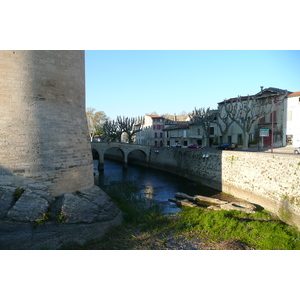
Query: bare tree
x: 96, y: 120
x: 130, y: 126
x: 112, y: 131
x: 224, y: 122
x: 203, y: 117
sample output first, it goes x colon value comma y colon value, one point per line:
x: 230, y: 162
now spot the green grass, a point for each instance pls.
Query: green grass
x: 258, y: 230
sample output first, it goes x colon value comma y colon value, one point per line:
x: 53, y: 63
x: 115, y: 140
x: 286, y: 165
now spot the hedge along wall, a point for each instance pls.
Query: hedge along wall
x: 270, y: 180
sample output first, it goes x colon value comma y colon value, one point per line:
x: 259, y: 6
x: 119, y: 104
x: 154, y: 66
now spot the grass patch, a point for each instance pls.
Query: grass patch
x: 258, y: 230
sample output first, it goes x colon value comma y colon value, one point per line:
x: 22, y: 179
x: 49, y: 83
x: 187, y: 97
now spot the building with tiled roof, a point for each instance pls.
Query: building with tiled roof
x: 151, y: 133
x: 294, y: 94
x: 268, y: 130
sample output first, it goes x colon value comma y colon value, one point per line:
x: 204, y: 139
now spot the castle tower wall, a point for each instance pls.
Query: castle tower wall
x: 43, y: 127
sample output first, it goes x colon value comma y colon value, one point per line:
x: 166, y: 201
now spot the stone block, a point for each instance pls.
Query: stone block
x: 6, y: 200
x: 29, y: 207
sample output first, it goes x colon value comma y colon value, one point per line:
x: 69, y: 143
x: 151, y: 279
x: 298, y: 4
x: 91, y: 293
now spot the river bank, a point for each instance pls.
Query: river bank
x: 145, y: 227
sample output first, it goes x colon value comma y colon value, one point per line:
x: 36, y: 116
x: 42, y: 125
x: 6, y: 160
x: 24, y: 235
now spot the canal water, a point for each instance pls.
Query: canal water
x: 155, y: 185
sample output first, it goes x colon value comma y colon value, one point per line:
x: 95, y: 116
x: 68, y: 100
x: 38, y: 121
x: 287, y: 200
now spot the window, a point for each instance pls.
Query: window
x: 155, y: 134
x: 161, y: 134
x: 198, y: 131
x: 274, y: 116
x: 211, y: 130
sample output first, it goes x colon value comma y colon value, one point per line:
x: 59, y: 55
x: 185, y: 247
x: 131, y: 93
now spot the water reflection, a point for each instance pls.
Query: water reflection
x: 155, y: 185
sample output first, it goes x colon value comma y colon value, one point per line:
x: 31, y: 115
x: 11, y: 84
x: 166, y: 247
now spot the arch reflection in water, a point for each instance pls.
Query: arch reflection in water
x: 155, y: 185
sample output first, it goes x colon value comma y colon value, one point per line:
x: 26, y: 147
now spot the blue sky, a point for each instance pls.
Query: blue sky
x: 134, y: 83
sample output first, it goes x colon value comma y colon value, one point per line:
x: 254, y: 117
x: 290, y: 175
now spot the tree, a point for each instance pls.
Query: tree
x: 224, y: 122
x: 203, y: 117
x: 130, y: 126
x: 112, y: 131
x: 96, y: 120
x: 246, y: 111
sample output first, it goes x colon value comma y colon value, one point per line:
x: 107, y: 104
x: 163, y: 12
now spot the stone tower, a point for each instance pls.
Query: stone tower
x: 43, y: 127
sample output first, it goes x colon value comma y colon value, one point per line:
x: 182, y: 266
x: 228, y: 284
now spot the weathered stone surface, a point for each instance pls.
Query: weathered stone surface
x: 6, y: 200
x: 209, y: 199
x: 87, y: 214
x: 41, y: 190
x: 186, y: 202
x: 240, y: 206
x: 50, y: 235
x: 29, y: 207
x: 76, y: 209
x: 192, y: 201
x: 199, y: 198
x: 88, y: 206
x: 183, y: 202
x: 107, y: 209
x: 42, y: 98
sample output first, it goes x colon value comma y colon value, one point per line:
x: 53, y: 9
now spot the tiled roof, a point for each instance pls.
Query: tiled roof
x: 155, y: 116
x: 294, y: 94
x: 181, y: 126
x: 243, y: 98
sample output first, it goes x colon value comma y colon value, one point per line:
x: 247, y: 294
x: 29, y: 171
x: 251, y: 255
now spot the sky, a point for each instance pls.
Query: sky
x: 133, y: 83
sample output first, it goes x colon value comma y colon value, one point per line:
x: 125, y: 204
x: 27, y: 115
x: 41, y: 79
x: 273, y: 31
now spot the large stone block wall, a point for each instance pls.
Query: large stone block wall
x: 270, y: 180
x: 43, y: 128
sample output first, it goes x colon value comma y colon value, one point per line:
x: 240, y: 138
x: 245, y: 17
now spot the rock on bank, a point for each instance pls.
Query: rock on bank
x: 33, y: 219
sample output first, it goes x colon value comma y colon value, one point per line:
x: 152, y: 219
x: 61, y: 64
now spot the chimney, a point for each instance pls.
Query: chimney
x: 174, y: 117
x: 261, y: 88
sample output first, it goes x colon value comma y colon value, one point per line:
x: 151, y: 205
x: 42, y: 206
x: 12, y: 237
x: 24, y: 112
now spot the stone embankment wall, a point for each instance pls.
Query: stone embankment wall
x: 43, y: 127
x: 270, y: 180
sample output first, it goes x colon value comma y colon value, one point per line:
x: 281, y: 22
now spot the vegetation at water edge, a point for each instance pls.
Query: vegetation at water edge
x: 260, y: 230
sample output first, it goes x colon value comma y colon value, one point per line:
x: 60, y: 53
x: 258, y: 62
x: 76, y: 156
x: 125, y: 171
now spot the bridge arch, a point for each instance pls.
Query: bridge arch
x: 143, y: 152
x: 138, y: 156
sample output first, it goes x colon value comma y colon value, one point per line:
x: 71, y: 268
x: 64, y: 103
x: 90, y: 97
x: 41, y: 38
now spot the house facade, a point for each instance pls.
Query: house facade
x: 152, y: 131
x: 176, y: 134
x: 293, y: 119
x: 266, y: 131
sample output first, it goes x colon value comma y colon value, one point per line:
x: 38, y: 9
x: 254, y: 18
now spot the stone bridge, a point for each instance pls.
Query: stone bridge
x: 125, y: 148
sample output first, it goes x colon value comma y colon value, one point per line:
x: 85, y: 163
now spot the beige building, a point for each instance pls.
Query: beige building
x: 152, y: 131
x: 293, y: 120
x: 264, y: 129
